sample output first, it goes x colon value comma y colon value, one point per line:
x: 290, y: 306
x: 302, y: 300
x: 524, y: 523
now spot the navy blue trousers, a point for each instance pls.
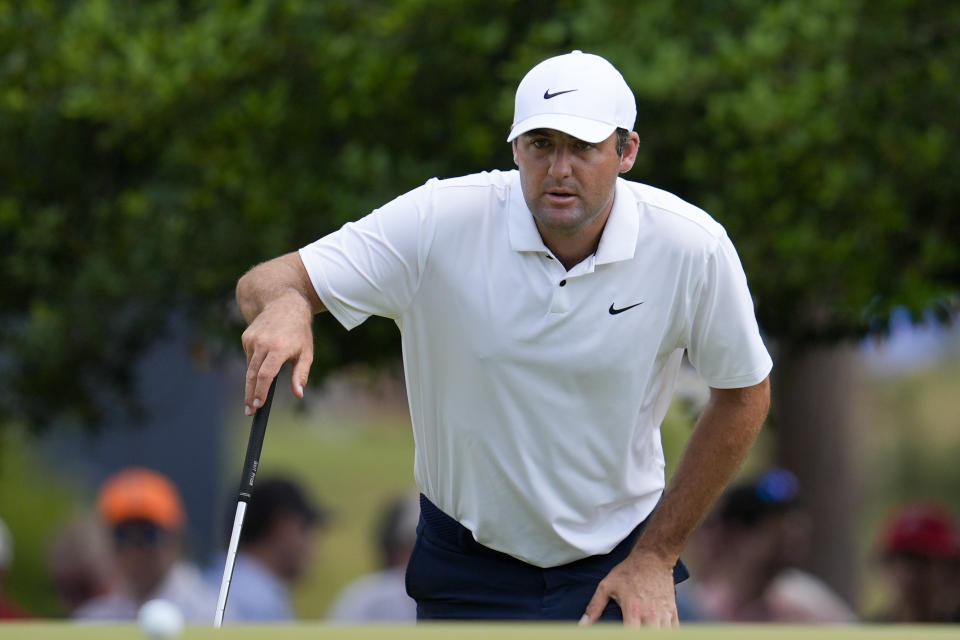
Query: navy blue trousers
x: 452, y: 576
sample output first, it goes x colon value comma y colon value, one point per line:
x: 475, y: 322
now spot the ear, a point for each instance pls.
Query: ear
x: 630, y: 152
x: 514, y: 143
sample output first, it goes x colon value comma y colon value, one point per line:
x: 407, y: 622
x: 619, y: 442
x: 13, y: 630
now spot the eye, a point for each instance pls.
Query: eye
x: 540, y: 143
x: 581, y: 145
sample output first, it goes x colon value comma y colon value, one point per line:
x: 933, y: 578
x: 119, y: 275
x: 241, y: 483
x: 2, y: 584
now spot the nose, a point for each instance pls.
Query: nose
x: 560, y: 162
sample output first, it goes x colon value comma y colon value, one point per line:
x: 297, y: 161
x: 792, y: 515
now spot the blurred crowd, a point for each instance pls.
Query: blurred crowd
x: 746, y: 559
x: 132, y: 549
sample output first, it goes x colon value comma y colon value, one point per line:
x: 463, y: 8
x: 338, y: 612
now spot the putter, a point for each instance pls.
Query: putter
x: 250, y: 464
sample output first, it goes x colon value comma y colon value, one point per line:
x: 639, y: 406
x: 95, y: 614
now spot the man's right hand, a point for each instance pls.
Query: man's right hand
x: 281, y: 332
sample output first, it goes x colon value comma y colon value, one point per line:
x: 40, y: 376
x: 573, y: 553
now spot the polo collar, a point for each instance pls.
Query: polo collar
x: 619, y: 238
x: 524, y: 235
x: 617, y: 242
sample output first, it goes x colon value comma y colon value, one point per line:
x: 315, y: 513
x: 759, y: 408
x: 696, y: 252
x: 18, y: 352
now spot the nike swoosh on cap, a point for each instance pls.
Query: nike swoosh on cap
x: 547, y: 95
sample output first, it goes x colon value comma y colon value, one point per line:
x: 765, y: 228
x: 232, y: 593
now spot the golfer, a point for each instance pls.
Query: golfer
x: 544, y: 315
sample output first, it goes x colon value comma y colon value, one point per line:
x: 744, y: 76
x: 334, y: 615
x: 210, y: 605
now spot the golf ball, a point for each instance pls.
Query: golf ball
x: 160, y: 619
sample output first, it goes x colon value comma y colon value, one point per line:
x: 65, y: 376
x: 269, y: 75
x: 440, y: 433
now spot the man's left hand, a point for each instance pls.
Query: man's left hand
x: 643, y: 587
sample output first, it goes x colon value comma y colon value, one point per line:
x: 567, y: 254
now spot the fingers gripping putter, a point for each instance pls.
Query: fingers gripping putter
x: 250, y: 465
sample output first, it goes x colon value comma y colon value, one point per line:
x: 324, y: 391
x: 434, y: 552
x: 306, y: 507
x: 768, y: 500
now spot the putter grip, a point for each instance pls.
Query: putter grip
x: 257, y: 431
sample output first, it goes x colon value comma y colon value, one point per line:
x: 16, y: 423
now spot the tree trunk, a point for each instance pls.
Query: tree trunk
x: 813, y: 410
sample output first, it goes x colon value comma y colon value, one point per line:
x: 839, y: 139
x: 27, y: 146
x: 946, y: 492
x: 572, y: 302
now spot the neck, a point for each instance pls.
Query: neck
x: 571, y: 254
x: 572, y: 247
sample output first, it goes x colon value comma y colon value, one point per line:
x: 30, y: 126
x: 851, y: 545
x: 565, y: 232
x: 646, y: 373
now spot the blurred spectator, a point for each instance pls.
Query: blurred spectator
x: 8, y: 609
x: 81, y: 563
x: 746, y: 557
x: 920, y: 548
x: 382, y: 596
x: 275, y: 550
x: 143, y: 510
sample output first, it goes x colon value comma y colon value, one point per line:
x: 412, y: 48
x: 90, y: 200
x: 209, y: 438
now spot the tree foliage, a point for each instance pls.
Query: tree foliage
x: 156, y: 150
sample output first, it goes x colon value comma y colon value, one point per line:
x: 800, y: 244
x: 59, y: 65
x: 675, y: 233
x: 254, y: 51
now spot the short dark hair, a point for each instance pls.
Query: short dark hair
x: 749, y: 505
x: 273, y: 498
x: 622, y: 136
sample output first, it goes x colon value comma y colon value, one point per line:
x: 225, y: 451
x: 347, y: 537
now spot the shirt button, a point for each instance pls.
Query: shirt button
x: 563, y: 283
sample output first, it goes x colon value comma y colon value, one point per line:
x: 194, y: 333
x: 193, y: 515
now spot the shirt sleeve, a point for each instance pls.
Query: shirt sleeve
x: 373, y: 266
x: 724, y: 342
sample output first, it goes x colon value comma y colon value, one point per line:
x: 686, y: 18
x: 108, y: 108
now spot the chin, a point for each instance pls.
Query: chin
x: 564, y: 221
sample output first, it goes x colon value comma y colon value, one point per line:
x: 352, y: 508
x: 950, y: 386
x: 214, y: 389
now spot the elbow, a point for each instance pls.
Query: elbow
x: 245, y: 297
x: 243, y: 284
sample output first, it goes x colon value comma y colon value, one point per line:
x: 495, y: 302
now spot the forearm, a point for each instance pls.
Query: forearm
x: 269, y: 281
x: 720, y: 441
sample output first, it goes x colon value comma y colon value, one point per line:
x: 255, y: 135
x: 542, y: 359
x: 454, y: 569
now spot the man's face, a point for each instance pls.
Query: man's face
x: 145, y: 553
x: 568, y: 183
x: 294, y: 538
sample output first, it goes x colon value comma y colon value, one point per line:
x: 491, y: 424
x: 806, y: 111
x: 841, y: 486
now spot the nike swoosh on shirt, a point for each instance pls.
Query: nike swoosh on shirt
x: 547, y: 95
x: 614, y: 312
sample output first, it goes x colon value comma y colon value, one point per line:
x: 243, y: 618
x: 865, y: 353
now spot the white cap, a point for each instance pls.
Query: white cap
x: 578, y: 93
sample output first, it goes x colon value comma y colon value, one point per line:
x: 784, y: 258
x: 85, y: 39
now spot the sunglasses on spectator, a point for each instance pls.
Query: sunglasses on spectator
x: 138, y: 533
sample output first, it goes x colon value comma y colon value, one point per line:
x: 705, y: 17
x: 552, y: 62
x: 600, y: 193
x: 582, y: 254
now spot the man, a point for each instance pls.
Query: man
x: 544, y: 314
x: 81, y: 563
x: 920, y: 552
x: 381, y: 596
x: 750, y: 549
x: 145, y: 515
x: 275, y: 550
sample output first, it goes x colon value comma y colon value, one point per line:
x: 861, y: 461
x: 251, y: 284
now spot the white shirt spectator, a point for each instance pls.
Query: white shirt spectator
x: 183, y: 586
x: 256, y: 593
x: 377, y: 597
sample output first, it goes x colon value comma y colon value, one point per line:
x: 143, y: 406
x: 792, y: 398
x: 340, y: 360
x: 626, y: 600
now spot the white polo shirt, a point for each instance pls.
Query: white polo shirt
x: 536, y: 394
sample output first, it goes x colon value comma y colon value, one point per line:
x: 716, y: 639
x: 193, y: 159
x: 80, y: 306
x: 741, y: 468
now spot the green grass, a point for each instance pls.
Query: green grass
x: 470, y: 631
x: 912, y: 424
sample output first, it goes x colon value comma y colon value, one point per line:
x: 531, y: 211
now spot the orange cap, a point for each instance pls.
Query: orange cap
x: 136, y: 493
